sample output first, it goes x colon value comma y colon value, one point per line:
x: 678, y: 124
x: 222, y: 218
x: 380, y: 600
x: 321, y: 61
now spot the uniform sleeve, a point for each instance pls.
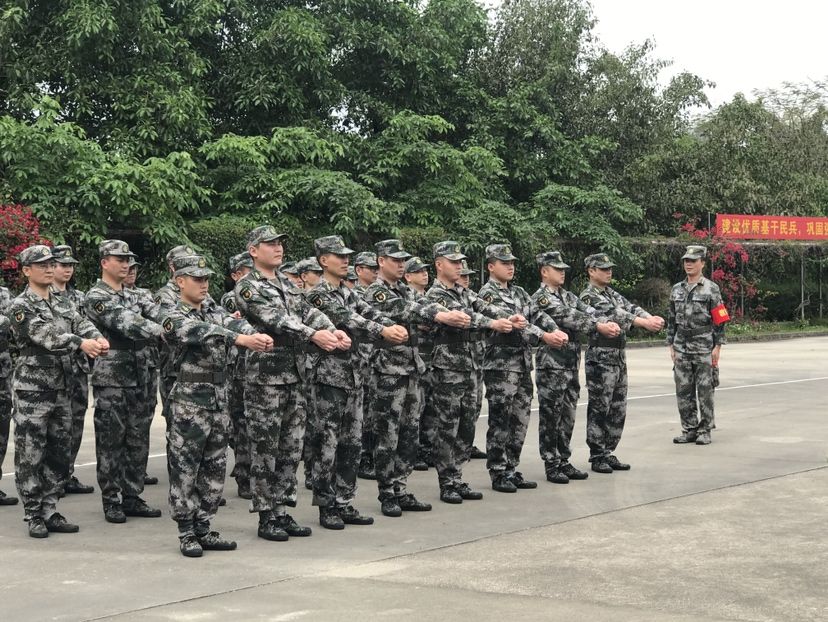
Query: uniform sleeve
x: 274, y: 318
x: 486, y: 309
x: 184, y: 330
x: 718, y: 331
x: 620, y: 313
x: 341, y: 315
x: 442, y: 297
x: 402, y: 310
x: 538, y: 315
x: 577, y: 318
x: 83, y: 326
x: 105, y: 311
x: 671, y: 321
x: 27, y: 326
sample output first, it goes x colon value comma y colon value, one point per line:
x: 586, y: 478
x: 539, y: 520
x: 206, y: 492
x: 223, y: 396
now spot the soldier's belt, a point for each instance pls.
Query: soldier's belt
x: 312, y: 348
x: 607, y: 342
x: 693, y: 332
x: 119, y: 343
x: 283, y: 341
x: 209, y: 377
x: 464, y: 337
x: 40, y: 351
x: 4, y: 343
x: 382, y: 344
x: 506, y: 339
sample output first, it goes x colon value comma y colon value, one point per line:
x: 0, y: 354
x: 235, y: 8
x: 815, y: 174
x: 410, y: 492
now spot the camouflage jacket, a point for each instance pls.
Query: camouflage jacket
x: 276, y: 307
x: 690, y: 327
x: 363, y: 323
x: 200, y: 341
x: 403, y: 306
x: 167, y: 294
x: 237, y: 358
x: 48, y: 334
x: 129, y: 322
x: 513, y: 351
x: 147, y: 298
x: 5, y: 334
x: 607, y: 301
x: 75, y: 296
x: 455, y: 348
x: 167, y: 297
x: 570, y: 315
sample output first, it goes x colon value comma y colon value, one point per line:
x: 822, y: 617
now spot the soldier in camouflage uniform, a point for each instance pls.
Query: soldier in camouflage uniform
x: 605, y: 363
x: 397, y: 369
x: 240, y: 266
x: 557, y: 368
x: 79, y: 378
x: 351, y: 279
x: 289, y: 270
x: 200, y: 335
x: 153, y: 360
x: 507, y: 366
x: 167, y: 297
x: 309, y: 271
x: 5, y: 386
x: 48, y: 333
x: 336, y: 379
x: 455, y: 366
x: 365, y: 267
x: 274, y: 395
x: 416, y: 277
x: 121, y: 383
x: 695, y: 342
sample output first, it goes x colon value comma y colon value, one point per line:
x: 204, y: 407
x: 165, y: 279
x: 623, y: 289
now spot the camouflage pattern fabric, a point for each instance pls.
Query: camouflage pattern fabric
x: 557, y: 369
x: 167, y: 297
x: 336, y: 405
x: 455, y: 365
x: 605, y: 364
x: 274, y: 394
x: 48, y: 334
x: 427, y: 417
x: 5, y: 374
x: 121, y: 384
x: 199, y: 421
x: 508, y: 375
x: 691, y: 332
x: 239, y: 439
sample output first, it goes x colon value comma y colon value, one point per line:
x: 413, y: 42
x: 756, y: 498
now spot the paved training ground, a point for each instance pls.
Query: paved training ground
x: 732, y: 531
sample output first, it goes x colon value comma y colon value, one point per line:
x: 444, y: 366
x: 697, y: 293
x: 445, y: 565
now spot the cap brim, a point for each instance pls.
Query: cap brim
x: 68, y: 260
x: 372, y: 264
x: 454, y: 257
x: 503, y: 257
x: 400, y: 255
x: 687, y: 256
x: 120, y: 255
x: 39, y: 260
x: 198, y: 272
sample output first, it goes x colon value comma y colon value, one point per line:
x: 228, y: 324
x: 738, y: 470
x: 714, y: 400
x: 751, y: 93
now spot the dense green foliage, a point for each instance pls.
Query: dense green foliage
x: 170, y: 120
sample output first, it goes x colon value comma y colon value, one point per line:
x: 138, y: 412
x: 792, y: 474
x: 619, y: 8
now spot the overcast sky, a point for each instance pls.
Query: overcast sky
x: 740, y: 45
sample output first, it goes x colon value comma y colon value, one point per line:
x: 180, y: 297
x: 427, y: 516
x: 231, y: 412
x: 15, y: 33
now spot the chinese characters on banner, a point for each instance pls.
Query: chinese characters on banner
x: 745, y: 227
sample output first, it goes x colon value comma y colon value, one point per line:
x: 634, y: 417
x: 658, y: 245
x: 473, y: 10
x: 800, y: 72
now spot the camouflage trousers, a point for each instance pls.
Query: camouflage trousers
x: 78, y: 384
x: 693, y: 374
x: 5, y: 418
x: 368, y: 436
x: 509, y: 395
x: 196, y: 463
x: 165, y: 385
x: 455, y: 405
x: 428, y: 423
x: 336, y: 416
x: 42, y: 442
x: 276, y: 425
x: 395, y: 408
x: 121, y: 441
x: 239, y: 439
x: 558, y: 391
x: 607, y: 409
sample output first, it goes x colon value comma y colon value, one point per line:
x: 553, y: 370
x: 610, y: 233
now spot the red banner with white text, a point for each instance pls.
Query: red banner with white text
x: 744, y: 227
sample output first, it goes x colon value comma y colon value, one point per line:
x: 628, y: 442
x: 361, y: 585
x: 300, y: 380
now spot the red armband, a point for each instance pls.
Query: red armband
x: 720, y: 315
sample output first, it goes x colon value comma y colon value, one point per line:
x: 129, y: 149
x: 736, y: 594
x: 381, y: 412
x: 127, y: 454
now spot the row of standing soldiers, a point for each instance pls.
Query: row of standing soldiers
x: 329, y: 372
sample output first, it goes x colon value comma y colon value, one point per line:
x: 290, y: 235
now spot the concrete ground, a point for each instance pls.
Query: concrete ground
x: 731, y: 531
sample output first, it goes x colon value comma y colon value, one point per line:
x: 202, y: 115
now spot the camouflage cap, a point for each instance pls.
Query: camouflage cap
x: 265, y: 233
x: 695, y: 252
x: 391, y: 248
x: 551, y: 258
x: 179, y: 251
x: 448, y: 249
x: 503, y: 252
x: 333, y: 244
x: 289, y: 267
x: 242, y: 260
x: 115, y: 248
x: 63, y: 254
x: 415, y: 264
x: 191, y: 265
x: 352, y: 275
x: 134, y: 262
x: 366, y: 258
x: 35, y: 254
x: 308, y: 265
x: 598, y: 260
x: 465, y: 270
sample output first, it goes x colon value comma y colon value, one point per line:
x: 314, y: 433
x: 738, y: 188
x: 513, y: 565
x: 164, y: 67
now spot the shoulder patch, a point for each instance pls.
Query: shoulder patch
x: 315, y: 300
x: 19, y: 316
x: 99, y: 307
x: 246, y: 293
x: 489, y: 298
x: 543, y: 301
x: 168, y: 325
x: 380, y: 296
